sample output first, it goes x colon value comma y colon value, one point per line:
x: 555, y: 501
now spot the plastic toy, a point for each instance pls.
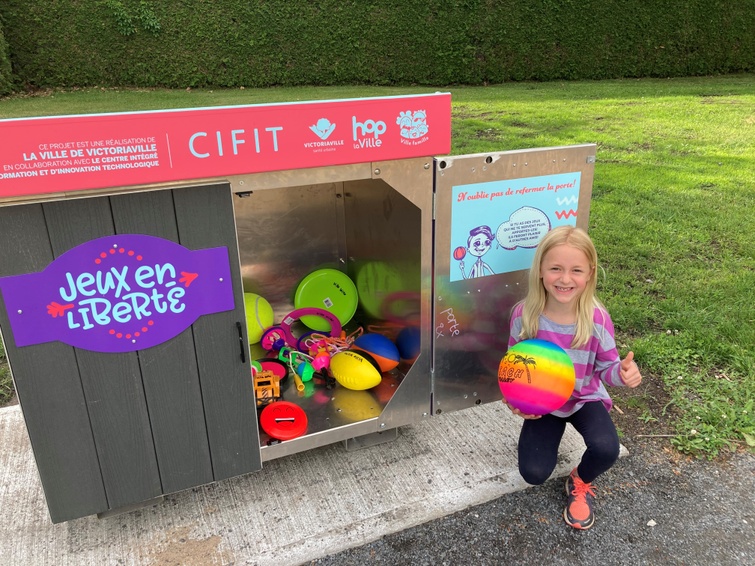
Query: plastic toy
x: 382, y: 349
x: 321, y: 360
x: 408, y: 342
x: 283, y: 420
x: 305, y: 371
x: 273, y: 338
x: 328, y: 289
x: 312, y: 342
x: 536, y: 376
x: 266, y: 387
x: 300, y: 366
x: 279, y: 336
x: 355, y: 370
x: 279, y: 368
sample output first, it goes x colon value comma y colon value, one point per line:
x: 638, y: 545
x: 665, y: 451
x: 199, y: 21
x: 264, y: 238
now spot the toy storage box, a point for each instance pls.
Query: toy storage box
x: 372, y: 221
x: 110, y: 430
x: 113, y: 429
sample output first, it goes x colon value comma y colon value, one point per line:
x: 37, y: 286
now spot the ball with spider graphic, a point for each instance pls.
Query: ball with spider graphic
x: 536, y: 376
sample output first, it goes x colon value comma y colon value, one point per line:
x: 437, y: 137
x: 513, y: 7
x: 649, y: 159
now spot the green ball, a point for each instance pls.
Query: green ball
x: 259, y: 316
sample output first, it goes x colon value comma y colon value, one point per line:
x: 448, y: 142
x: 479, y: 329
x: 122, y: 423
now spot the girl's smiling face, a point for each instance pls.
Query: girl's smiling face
x: 565, y: 271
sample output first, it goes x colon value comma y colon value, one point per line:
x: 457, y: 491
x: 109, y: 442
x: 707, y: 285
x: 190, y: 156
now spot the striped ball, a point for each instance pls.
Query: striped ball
x: 379, y: 347
x: 536, y: 376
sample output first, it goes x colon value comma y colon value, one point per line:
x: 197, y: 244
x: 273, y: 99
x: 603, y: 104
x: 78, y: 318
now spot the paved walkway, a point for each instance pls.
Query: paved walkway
x: 295, y: 509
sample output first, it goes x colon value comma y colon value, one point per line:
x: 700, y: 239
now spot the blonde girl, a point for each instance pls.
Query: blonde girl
x: 561, y: 306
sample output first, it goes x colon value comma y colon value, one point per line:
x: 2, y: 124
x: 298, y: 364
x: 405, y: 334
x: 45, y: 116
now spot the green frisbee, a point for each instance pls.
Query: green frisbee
x: 327, y: 289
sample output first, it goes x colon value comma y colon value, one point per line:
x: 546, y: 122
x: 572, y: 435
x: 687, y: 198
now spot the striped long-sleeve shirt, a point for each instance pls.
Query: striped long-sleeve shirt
x: 596, y: 364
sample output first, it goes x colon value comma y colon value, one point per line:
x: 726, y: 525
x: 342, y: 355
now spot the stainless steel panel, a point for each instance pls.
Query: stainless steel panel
x: 394, y: 236
x: 471, y: 315
x: 285, y: 234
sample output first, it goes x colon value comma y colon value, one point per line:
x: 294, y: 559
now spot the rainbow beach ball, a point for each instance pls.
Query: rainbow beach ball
x: 536, y: 376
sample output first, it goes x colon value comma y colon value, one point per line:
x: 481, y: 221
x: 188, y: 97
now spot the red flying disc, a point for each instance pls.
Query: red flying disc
x: 283, y: 420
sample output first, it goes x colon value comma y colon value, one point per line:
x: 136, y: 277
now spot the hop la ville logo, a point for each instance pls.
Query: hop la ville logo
x: 118, y: 294
x: 367, y: 132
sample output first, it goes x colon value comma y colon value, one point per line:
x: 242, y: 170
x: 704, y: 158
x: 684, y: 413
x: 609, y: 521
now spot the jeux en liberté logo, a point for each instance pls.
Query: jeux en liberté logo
x: 118, y: 294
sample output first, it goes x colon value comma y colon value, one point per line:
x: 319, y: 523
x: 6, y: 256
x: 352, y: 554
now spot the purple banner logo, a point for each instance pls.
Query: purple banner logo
x: 118, y: 294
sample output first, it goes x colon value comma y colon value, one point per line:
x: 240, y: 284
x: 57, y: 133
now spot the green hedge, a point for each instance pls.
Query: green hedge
x: 256, y: 43
x: 6, y: 77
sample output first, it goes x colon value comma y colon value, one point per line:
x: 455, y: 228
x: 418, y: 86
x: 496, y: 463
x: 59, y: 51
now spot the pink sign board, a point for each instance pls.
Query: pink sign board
x: 70, y: 153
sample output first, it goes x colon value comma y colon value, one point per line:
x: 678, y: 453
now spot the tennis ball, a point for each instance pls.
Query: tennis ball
x: 259, y: 316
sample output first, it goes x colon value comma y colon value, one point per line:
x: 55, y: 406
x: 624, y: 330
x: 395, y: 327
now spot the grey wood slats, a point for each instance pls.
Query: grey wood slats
x: 48, y: 385
x: 205, y: 219
x: 175, y: 403
x: 111, y: 430
x: 112, y: 382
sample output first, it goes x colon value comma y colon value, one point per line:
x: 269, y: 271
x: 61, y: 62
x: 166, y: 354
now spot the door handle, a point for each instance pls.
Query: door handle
x: 241, y: 342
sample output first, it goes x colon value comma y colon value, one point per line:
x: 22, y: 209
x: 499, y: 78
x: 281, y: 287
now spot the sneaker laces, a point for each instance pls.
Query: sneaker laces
x: 582, y: 488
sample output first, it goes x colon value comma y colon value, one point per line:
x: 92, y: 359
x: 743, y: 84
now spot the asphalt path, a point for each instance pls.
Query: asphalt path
x: 445, y: 492
x: 654, y: 507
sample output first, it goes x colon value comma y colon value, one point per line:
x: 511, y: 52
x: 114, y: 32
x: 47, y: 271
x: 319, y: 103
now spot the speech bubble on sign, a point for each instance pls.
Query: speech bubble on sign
x: 524, y: 228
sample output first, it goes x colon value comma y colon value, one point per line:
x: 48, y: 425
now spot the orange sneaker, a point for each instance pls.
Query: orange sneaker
x: 578, y: 512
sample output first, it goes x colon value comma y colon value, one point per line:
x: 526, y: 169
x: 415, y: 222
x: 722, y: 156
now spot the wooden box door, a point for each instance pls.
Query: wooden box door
x: 110, y: 430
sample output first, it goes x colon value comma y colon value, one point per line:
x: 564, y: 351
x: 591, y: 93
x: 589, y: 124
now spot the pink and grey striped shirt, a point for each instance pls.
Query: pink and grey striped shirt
x: 596, y: 364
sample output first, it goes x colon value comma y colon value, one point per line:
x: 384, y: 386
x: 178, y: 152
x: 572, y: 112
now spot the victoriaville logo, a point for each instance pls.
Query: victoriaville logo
x: 367, y: 133
x: 413, y: 127
x: 118, y: 294
x: 323, y: 128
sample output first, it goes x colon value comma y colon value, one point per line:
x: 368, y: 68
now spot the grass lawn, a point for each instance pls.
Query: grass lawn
x: 672, y: 213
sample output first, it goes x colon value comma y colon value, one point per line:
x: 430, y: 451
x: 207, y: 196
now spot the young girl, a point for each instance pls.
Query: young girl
x: 561, y: 307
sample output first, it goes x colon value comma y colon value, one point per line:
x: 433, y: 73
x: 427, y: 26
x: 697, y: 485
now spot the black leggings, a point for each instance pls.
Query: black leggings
x: 540, y: 438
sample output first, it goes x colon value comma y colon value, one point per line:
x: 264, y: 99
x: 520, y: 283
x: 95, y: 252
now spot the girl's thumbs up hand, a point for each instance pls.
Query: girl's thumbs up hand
x: 629, y: 372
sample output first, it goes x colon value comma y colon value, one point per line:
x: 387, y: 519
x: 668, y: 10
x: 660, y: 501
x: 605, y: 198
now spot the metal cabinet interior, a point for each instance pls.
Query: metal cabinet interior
x: 372, y: 221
